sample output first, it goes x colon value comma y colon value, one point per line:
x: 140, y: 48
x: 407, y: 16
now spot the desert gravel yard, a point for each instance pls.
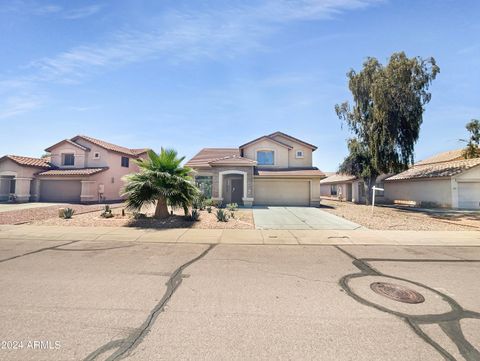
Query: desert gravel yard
x: 389, y: 218
x: 34, y: 214
x: 243, y: 220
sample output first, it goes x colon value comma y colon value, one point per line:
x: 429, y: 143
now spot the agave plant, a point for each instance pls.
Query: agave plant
x: 161, y: 181
x: 222, y: 216
x: 68, y: 213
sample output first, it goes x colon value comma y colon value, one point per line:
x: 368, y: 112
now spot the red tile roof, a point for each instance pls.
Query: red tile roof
x: 290, y: 172
x: 338, y: 178
x: 49, y: 149
x: 28, y: 161
x: 72, y: 172
x: 435, y: 170
x: 111, y: 147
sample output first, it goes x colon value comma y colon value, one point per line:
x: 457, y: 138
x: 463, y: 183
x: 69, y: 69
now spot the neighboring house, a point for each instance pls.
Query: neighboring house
x: 274, y: 169
x: 444, y: 180
x: 81, y: 169
x: 349, y: 188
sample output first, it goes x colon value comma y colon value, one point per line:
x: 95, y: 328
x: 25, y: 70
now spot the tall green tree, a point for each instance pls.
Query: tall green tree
x: 161, y: 181
x: 473, y: 143
x: 386, y: 115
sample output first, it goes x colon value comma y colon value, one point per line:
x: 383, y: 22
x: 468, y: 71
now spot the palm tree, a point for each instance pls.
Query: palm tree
x: 161, y: 180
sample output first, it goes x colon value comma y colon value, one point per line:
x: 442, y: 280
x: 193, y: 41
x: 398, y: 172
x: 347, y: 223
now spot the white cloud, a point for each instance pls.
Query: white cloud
x: 18, y: 104
x: 39, y: 8
x: 82, y: 12
x: 181, y: 36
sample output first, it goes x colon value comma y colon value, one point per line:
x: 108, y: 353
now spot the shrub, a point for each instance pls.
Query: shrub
x: 195, y: 215
x: 199, y: 202
x: 232, y: 207
x: 68, y: 213
x: 222, y: 216
x: 107, y: 212
x: 138, y: 215
x: 209, y: 209
x: 209, y: 202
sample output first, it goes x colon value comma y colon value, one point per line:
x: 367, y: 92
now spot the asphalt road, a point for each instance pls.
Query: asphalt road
x: 148, y: 301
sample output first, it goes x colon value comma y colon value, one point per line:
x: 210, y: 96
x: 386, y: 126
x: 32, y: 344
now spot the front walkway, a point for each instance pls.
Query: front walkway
x: 242, y: 236
x: 298, y: 218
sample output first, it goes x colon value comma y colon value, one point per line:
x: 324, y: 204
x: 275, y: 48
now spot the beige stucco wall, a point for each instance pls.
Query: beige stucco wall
x: 25, y: 187
x: 436, y: 191
x: 306, y: 161
x: 280, y: 155
x: 79, y: 154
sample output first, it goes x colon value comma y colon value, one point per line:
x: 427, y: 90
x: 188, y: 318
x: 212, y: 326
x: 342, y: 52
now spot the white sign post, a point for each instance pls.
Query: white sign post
x: 373, y: 195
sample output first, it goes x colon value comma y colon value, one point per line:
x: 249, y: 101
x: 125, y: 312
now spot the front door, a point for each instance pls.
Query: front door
x: 237, y: 191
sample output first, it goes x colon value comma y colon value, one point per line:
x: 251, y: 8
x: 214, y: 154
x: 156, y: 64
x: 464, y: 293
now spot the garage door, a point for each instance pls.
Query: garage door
x: 282, y: 193
x: 60, y: 191
x: 469, y: 195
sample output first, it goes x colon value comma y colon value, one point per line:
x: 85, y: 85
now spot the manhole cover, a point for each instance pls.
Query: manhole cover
x: 397, y: 292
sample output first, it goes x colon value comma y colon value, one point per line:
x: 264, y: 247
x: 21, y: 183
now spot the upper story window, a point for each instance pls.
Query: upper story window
x: 96, y: 155
x: 125, y: 162
x: 68, y: 159
x: 299, y: 154
x: 265, y: 157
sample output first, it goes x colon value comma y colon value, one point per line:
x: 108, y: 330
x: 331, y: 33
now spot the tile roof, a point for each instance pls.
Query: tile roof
x: 234, y: 159
x: 268, y: 138
x: 111, y: 147
x: 338, y: 178
x: 293, y: 138
x: 448, y: 156
x: 28, y: 161
x: 49, y: 149
x: 435, y: 170
x: 72, y: 172
x: 209, y: 155
x: 289, y: 172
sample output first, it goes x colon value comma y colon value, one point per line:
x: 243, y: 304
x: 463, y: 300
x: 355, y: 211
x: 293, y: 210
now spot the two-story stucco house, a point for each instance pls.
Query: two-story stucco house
x: 274, y: 169
x: 81, y: 169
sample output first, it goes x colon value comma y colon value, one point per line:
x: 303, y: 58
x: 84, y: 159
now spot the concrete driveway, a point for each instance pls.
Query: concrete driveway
x: 298, y: 218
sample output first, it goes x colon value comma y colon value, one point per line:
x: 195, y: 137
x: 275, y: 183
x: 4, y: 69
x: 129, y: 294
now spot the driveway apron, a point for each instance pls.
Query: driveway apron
x: 298, y: 218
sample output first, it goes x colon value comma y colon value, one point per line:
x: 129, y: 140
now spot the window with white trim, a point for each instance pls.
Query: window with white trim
x: 299, y: 154
x: 96, y: 155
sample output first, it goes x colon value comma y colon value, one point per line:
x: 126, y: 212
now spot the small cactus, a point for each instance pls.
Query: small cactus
x: 68, y: 213
x: 222, y: 216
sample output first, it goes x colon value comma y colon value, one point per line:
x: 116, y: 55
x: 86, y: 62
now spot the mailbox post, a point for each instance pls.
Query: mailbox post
x: 374, y: 189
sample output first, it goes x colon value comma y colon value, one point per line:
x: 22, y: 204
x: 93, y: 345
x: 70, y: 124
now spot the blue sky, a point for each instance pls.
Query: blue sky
x: 193, y: 74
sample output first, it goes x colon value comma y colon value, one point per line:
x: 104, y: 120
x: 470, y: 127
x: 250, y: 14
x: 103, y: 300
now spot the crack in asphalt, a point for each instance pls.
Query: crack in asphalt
x: 52, y: 248
x: 89, y: 249
x: 127, y: 345
x: 449, y: 322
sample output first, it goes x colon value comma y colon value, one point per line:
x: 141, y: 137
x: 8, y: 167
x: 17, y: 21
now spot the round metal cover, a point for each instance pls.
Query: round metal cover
x: 397, y: 292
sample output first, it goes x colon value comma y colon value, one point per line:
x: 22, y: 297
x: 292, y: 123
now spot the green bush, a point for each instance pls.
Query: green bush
x: 107, y: 212
x: 68, y: 213
x: 209, y: 209
x: 222, y: 216
x: 195, y: 215
x: 199, y: 202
